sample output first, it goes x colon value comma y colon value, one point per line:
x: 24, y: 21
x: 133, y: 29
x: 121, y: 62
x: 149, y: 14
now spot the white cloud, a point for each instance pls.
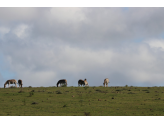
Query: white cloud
x: 20, y: 31
x: 156, y: 43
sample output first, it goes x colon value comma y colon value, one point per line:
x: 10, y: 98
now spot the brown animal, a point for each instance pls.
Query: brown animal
x: 20, y: 83
x: 11, y: 81
x: 86, y: 83
x: 61, y: 82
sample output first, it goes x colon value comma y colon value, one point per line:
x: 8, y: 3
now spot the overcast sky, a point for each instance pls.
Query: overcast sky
x: 42, y: 45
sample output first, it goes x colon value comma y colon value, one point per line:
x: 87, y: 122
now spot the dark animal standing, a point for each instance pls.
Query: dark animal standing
x: 11, y: 81
x: 62, y: 82
x: 20, y: 83
x: 81, y: 82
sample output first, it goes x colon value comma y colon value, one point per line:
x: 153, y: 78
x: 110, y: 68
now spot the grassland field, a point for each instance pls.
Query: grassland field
x: 82, y: 101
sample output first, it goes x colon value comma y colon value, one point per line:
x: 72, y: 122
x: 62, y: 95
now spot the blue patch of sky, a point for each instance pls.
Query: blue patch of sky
x: 5, y: 73
x: 147, y: 84
x: 162, y: 36
x: 125, y: 9
x: 138, y: 40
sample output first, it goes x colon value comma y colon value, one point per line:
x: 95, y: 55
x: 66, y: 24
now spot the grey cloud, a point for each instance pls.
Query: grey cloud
x: 98, y: 23
x: 102, y: 25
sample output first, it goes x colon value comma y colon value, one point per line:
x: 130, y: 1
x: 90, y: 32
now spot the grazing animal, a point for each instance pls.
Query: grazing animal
x: 11, y: 81
x: 20, y: 83
x: 81, y: 82
x: 106, y: 81
x: 86, y: 83
x: 61, y: 82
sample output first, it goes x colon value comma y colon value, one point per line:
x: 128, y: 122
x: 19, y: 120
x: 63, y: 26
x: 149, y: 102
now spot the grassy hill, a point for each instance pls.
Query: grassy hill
x: 82, y: 101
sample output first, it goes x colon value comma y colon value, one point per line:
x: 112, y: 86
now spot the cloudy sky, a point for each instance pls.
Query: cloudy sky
x: 42, y: 45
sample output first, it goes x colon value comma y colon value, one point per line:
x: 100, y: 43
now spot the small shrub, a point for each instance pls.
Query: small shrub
x: 34, y: 103
x: 65, y: 105
x: 30, y: 86
x: 98, y: 90
x: 58, y: 92
x: 126, y: 85
x: 87, y: 114
x: 131, y: 93
x: 119, y: 90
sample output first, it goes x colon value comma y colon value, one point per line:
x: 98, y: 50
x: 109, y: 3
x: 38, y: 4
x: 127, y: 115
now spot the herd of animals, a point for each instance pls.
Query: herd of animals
x: 60, y: 82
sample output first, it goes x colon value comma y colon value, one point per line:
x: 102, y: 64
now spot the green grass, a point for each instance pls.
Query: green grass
x: 82, y: 101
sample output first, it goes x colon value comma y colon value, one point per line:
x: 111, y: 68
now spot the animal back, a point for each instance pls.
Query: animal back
x: 20, y: 81
x: 106, y: 80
